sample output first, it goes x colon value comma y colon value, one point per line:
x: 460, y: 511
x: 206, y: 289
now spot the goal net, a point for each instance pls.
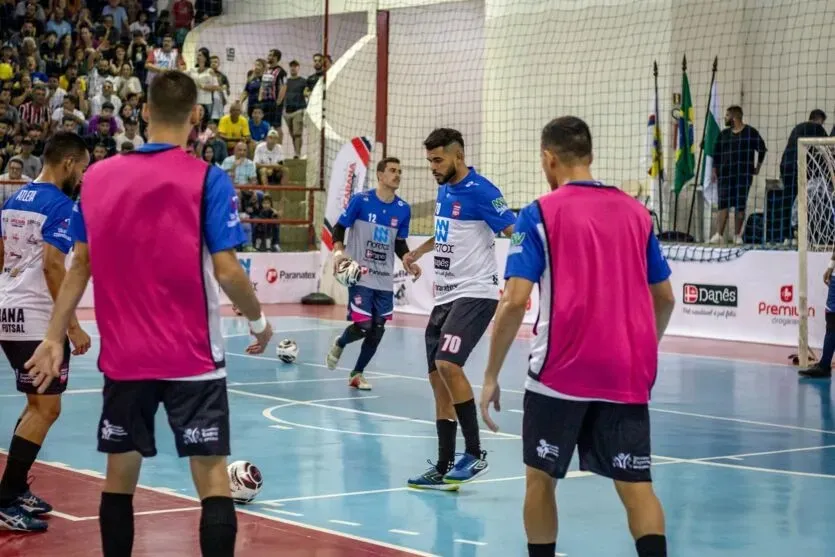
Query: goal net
x: 813, y: 215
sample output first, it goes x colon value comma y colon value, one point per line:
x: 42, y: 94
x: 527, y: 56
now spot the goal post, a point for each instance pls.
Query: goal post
x: 815, y: 220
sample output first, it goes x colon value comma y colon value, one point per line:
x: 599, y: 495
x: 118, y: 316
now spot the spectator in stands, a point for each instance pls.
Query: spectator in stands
x: 14, y: 173
x: 210, y: 138
x: 138, y: 55
x: 252, y: 89
x: 70, y: 110
x: 127, y: 147
x: 206, y: 82
x: 107, y: 95
x: 319, y: 69
x: 183, y: 12
x: 258, y: 128
x: 118, y: 17
x: 70, y: 125
x: 225, y: 91
x: 120, y: 58
x: 779, y: 202
x: 54, y: 94
x: 208, y: 156
x: 31, y: 164
x: 268, y: 161
x: 100, y: 134
x: 8, y: 113
x: 734, y: 170
x: 100, y: 152
x: 265, y: 235
x: 107, y: 114
x: 131, y: 135
x: 127, y: 83
x: 35, y: 113
x: 141, y: 26
x: 240, y: 169
x: 58, y: 24
x: 6, y: 143
x: 273, y: 91
x: 295, y: 104
x: 161, y: 59
x: 233, y: 127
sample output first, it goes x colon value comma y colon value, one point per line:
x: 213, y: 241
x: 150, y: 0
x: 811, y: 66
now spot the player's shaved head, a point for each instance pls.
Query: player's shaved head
x: 445, y: 153
x: 172, y: 97
x: 569, y: 139
x: 63, y: 146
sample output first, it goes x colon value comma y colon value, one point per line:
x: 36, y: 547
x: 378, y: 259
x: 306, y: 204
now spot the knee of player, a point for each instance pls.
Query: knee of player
x: 47, y: 407
x: 446, y: 368
x: 363, y: 327
x: 538, y: 480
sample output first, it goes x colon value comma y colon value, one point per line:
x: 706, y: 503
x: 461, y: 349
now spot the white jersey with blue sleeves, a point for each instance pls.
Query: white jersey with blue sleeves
x: 37, y: 213
x: 468, y: 215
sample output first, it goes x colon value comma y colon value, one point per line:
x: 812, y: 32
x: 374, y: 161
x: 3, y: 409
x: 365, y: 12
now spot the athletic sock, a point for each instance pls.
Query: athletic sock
x: 542, y: 549
x: 447, y: 429
x: 116, y: 524
x: 22, y: 454
x: 468, y: 419
x: 652, y: 545
x: 828, y: 350
x: 352, y: 333
x: 367, y: 351
x: 218, y: 527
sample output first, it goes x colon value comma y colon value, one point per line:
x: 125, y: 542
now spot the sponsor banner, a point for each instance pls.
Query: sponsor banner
x: 278, y: 278
x: 417, y: 297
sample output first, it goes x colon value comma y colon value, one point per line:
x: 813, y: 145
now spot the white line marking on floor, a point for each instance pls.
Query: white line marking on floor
x: 265, y: 516
x: 287, y: 513
x: 469, y: 542
x: 731, y: 458
x: 145, y: 513
x: 404, y: 532
x: 67, y: 392
x: 66, y: 516
x: 345, y: 522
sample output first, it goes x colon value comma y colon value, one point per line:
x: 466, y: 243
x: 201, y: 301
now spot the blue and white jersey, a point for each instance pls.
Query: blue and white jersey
x: 37, y: 213
x: 468, y: 215
x: 374, y: 226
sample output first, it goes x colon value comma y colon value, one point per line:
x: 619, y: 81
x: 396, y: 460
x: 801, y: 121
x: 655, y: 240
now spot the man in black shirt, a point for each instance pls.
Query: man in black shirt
x: 295, y: 105
x: 779, y: 202
x: 734, y: 170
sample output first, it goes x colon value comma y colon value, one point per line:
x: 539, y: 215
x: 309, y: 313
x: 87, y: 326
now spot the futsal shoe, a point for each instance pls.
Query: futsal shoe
x: 357, y: 381
x: 467, y: 469
x: 431, y: 479
x: 332, y: 359
x: 33, y: 504
x: 816, y: 371
x: 17, y: 519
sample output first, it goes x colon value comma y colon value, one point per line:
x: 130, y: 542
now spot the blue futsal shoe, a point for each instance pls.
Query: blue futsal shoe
x: 33, y: 504
x: 431, y: 479
x: 17, y: 519
x: 467, y: 469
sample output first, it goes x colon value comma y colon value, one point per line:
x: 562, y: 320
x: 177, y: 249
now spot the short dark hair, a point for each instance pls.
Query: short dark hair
x: 294, y: 62
x: 63, y: 145
x: 736, y: 111
x: 171, y: 97
x: 275, y: 52
x: 381, y: 166
x: 568, y: 137
x: 443, y: 137
x: 817, y: 114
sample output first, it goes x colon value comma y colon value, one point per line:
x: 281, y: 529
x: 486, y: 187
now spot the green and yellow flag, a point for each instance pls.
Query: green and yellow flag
x: 685, y: 152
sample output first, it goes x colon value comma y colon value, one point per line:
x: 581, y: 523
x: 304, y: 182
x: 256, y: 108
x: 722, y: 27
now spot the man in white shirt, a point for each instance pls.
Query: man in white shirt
x: 130, y: 134
x: 14, y: 174
x: 268, y: 158
x: 70, y: 110
x: 106, y: 95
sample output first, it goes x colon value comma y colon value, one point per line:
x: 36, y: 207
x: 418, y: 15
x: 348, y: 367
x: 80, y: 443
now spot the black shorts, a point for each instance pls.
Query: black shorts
x: 18, y: 353
x: 455, y: 328
x: 613, y: 440
x: 733, y: 194
x: 198, y: 413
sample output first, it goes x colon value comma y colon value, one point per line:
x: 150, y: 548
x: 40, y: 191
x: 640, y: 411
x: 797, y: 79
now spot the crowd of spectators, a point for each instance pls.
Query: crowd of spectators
x: 84, y: 66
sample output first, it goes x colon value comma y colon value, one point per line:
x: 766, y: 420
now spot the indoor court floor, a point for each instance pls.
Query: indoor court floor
x: 744, y: 458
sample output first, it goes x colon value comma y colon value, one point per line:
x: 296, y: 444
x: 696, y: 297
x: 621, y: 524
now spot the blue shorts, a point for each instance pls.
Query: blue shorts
x: 365, y: 303
x: 830, y: 297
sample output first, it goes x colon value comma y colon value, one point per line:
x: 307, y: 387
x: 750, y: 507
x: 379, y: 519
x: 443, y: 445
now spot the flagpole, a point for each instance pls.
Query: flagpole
x: 702, y: 145
x: 660, y: 153
x: 683, y: 122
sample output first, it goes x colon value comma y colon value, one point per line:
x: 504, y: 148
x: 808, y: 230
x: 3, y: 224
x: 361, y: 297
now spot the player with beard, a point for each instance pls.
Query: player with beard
x: 35, y: 223
x: 469, y: 212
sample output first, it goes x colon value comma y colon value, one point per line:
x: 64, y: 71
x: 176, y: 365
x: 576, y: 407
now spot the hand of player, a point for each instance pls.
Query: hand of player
x: 409, y: 260
x: 337, y: 259
x: 45, y: 364
x: 490, y: 392
x: 414, y: 270
x: 79, y: 339
x: 262, y: 339
x: 827, y: 275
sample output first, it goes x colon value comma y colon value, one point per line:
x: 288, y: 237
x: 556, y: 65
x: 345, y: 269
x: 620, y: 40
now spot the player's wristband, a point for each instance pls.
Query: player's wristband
x: 831, y: 264
x: 258, y: 325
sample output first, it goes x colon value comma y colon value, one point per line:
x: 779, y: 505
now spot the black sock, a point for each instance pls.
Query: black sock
x: 542, y: 549
x: 22, y: 454
x: 652, y: 545
x: 368, y: 348
x: 116, y: 524
x: 468, y: 419
x: 447, y: 429
x: 218, y: 527
x: 352, y: 333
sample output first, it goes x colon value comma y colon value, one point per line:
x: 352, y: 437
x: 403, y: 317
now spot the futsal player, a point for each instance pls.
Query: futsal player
x: 36, y: 240
x: 469, y: 212
x: 156, y: 263
x: 823, y: 368
x: 379, y: 223
x: 605, y: 302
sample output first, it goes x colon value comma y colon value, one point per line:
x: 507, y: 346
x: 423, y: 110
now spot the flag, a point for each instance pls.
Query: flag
x: 712, y: 128
x: 685, y: 152
x: 654, y: 163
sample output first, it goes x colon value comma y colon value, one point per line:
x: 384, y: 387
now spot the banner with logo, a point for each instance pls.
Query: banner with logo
x: 278, y: 278
x: 418, y: 297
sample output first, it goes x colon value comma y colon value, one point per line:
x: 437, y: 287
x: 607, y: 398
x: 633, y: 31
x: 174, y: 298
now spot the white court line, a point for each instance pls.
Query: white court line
x: 404, y: 532
x: 67, y: 392
x: 288, y: 513
x: 345, y: 522
x: 146, y: 513
x: 309, y: 527
x: 469, y: 542
x: 354, y: 411
x: 69, y: 517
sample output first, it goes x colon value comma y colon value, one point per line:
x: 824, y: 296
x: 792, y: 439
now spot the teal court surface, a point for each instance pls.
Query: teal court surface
x: 744, y: 458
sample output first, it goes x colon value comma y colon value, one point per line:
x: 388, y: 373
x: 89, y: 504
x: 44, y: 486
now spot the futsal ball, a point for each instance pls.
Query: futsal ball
x: 287, y: 351
x: 348, y: 273
x: 245, y: 481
